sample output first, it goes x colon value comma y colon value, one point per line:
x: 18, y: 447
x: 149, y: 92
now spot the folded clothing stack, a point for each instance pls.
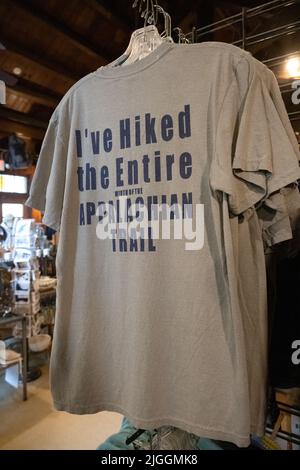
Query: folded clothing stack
x: 46, y: 283
x: 7, y: 356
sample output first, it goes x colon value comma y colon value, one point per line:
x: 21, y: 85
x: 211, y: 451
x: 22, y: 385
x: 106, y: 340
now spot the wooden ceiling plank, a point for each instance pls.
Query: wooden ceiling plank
x: 76, y: 39
x: 235, y: 4
x: 24, y: 87
x: 106, y: 12
x: 40, y: 60
x: 22, y: 118
x: 9, y: 127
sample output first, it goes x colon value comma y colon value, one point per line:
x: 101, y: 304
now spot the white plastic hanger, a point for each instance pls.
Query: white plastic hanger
x: 145, y: 40
x: 167, y: 33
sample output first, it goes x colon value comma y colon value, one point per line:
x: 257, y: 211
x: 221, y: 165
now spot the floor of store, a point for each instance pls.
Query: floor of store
x: 34, y: 424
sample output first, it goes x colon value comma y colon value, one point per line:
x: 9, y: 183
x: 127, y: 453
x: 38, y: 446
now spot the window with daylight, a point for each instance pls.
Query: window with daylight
x: 17, y: 210
x: 13, y: 184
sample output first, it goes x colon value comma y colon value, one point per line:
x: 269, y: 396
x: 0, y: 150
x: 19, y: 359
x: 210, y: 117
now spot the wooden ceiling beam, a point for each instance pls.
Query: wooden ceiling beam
x: 39, y: 94
x: 237, y: 5
x: 7, y: 78
x: 8, y: 127
x: 21, y: 118
x: 105, y: 10
x: 76, y: 39
x: 40, y: 60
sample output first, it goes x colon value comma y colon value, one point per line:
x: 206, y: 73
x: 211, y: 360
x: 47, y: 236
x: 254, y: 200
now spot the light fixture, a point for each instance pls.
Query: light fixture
x: 292, y: 67
x: 17, y: 70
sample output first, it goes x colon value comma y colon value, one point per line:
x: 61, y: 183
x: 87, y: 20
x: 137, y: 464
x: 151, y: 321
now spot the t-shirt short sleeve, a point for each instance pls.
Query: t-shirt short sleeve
x: 254, y: 153
x: 48, y: 184
x: 280, y: 215
x: 274, y: 218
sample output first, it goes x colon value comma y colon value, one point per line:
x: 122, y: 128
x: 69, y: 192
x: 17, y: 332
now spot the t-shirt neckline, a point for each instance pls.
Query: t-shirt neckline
x: 109, y: 71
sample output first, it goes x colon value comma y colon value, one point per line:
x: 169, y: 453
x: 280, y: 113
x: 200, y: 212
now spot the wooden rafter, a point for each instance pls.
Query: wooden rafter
x: 40, y: 60
x: 22, y: 118
x: 8, y: 127
x: 185, y: 10
x: 39, y: 94
x: 76, y: 39
x: 104, y: 8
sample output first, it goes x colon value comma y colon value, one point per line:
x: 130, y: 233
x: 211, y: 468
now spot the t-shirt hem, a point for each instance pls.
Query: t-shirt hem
x: 54, y: 225
x: 37, y: 204
x: 153, y: 423
x: 258, y: 429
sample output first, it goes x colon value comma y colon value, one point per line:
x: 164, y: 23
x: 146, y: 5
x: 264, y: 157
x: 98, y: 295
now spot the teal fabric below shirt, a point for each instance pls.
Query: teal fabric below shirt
x: 118, y: 441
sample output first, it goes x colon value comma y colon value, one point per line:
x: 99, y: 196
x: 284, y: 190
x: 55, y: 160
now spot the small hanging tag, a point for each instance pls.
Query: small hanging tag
x: 2, y: 92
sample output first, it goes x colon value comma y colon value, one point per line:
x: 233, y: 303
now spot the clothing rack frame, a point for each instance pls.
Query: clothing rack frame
x: 243, y: 16
x: 246, y: 41
x: 291, y: 410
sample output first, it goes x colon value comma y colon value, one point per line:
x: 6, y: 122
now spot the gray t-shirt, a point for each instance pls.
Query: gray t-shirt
x: 147, y: 327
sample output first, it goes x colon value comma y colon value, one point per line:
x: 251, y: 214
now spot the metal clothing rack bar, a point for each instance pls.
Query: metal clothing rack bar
x: 287, y: 410
x: 269, y: 6
x: 244, y: 14
x: 283, y: 92
x: 224, y: 24
x: 294, y: 116
x: 287, y: 85
x: 280, y: 58
x: 228, y: 22
x: 292, y: 409
x: 290, y: 437
x: 273, y: 30
x: 282, y: 31
x: 238, y: 17
x: 247, y: 41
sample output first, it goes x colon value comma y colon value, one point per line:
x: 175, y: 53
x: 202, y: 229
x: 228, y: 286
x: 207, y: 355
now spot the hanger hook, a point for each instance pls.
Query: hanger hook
x: 182, y: 39
x: 147, y: 10
x: 167, y: 19
x: 151, y: 13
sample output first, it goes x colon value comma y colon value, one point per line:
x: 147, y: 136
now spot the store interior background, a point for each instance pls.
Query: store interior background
x: 45, y: 47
